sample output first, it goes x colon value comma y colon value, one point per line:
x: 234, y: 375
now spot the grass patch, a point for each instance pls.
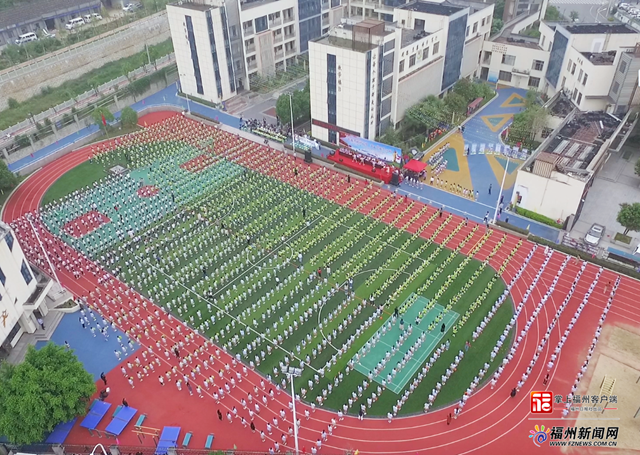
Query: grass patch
x: 244, y: 301
x: 50, y: 97
x: 619, y: 237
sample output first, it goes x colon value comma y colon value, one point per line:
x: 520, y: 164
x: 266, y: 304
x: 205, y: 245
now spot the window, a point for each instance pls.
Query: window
x: 579, y: 98
x: 580, y: 75
x: 483, y: 21
x: 538, y: 65
x: 436, y: 48
x: 509, y: 59
x: 418, y: 24
x: 389, y: 45
x: 575, y: 94
x: 475, y: 27
x: 425, y: 53
x: 333, y: 137
x: 468, y: 28
x: 584, y: 81
x: 616, y: 87
x: 3, y: 279
x: 261, y: 24
x: 412, y: 60
x: 569, y: 65
x: 401, y: 67
x: 534, y: 82
x: 504, y: 76
x: 9, y: 239
x: 573, y: 69
x: 623, y: 66
x: 26, y: 272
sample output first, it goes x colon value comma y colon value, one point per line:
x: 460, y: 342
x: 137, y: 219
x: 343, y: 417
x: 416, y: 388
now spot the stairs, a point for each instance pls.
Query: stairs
x: 51, y: 322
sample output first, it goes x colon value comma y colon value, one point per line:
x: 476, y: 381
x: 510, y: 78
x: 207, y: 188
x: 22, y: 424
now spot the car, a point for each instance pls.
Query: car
x: 594, y: 235
x: 96, y: 16
x: 47, y: 34
x: 87, y: 18
x: 27, y: 37
x: 76, y: 22
x: 129, y: 8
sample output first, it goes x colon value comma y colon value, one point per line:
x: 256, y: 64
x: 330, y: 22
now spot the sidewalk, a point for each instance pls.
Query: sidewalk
x: 169, y: 97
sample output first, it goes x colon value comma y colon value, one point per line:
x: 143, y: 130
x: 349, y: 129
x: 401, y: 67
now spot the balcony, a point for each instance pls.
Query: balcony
x: 252, y: 65
x: 276, y: 22
x: 279, y: 55
x: 325, y: 22
x: 288, y: 19
x: 325, y: 5
x: 291, y: 51
x: 248, y: 31
x: 277, y: 37
x: 520, y: 72
x: 288, y: 36
x: 251, y: 48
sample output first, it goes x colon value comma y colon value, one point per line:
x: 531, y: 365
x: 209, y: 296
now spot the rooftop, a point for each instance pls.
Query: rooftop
x: 439, y: 9
x: 601, y: 58
x: 517, y: 41
x: 411, y: 36
x: 30, y: 12
x: 193, y: 6
x: 579, y: 141
x: 248, y: 4
x: 596, y: 29
x: 356, y: 46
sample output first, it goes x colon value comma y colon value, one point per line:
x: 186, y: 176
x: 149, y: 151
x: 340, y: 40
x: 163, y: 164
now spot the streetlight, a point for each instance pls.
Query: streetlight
x: 504, y: 176
x: 46, y: 255
x: 185, y: 95
x: 293, y: 131
x: 291, y: 373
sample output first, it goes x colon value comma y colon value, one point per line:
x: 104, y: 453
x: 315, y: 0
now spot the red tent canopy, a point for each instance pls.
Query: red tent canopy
x: 415, y: 166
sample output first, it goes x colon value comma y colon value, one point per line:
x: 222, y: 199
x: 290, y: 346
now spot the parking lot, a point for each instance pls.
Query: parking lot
x: 614, y: 184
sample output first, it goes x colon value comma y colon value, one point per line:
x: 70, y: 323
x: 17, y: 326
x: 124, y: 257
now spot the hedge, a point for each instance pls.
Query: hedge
x: 513, y: 228
x: 537, y: 217
x: 586, y: 256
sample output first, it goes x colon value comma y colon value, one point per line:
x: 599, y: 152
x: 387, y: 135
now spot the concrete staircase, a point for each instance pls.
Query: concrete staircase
x: 51, y: 322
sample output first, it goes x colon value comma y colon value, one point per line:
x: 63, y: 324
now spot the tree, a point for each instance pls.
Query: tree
x: 552, y: 14
x: 128, y: 117
x: 498, y: 10
x: 496, y: 26
x: 637, y: 168
x: 8, y: 179
x: 13, y: 103
x: 573, y: 15
x: 629, y: 217
x: 97, y: 114
x: 48, y: 388
x: 300, y: 103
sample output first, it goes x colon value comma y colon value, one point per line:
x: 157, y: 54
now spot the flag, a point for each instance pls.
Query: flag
x: 104, y: 120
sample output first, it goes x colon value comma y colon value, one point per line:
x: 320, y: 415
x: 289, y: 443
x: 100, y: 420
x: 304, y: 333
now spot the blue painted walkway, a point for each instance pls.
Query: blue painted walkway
x: 96, y: 353
x: 475, y: 130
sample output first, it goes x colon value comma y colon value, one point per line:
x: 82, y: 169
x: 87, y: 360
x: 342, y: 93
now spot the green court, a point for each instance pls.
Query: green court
x: 388, y: 339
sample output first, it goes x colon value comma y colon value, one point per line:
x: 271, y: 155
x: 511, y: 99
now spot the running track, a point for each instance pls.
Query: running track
x: 491, y: 422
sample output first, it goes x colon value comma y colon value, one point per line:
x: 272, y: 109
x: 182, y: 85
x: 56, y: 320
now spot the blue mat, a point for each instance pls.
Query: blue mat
x: 168, y: 438
x: 121, y: 420
x: 624, y: 254
x: 60, y: 432
x: 96, y: 413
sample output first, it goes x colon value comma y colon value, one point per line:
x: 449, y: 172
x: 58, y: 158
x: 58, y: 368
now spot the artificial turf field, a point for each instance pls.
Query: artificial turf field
x: 219, y: 245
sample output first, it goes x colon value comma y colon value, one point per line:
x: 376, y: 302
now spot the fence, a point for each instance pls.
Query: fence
x: 107, y: 88
x: 152, y: 23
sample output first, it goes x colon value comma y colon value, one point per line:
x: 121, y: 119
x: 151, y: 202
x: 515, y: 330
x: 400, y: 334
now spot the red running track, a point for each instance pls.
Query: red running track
x: 492, y: 422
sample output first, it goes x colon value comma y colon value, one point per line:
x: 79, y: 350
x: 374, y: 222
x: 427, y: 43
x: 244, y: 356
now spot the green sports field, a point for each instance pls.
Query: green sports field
x: 219, y: 247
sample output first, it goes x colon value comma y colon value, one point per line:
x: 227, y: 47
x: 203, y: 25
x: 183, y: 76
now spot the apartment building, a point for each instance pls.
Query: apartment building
x: 221, y: 47
x: 595, y: 65
x: 22, y: 295
x: 368, y: 72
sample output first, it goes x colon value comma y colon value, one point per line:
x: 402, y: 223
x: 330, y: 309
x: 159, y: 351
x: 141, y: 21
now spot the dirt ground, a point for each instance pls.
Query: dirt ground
x: 617, y: 355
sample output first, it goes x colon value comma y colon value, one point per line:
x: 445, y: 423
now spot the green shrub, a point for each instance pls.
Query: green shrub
x: 128, y: 117
x: 13, y: 103
x: 537, y: 217
x: 512, y: 227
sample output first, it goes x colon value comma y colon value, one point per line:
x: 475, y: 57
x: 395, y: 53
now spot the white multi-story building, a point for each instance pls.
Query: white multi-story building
x: 221, y: 47
x: 22, y: 297
x: 367, y: 73
x: 595, y: 65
